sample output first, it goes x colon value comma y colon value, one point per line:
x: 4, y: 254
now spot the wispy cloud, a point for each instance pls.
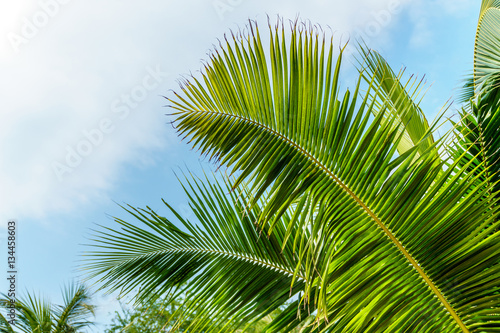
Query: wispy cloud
x: 84, y: 84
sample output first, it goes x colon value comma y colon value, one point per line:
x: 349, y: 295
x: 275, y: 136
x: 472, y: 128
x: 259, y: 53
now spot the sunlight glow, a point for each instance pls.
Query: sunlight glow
x: 15, y: 20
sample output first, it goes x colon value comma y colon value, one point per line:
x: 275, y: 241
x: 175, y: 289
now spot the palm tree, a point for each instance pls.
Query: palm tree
x: 35, y: 315
x: 340, y: 204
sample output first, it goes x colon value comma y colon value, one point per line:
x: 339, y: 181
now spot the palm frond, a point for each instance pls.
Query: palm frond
x: 467, y: 93
x: 487, y: 47
x: 396, y: 243
x: 33, y: 313
x: 231, y: 271
x: 478, y: 140
x: 36, y: 315
x: 5, y: 326
x: 401, y: 100
x: 476, y: 133
x: 74, y: 314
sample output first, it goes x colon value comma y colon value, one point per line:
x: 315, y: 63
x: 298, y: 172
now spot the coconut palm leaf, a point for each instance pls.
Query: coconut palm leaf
x: 36, y: 315
x: 401, y: 100
x: 396, y: 244
x: 33, y: 314
x: 487, y: 46
x: 74, y: 314
x: 230, y: 272
x: 476, y: 132
x: 5, y: 326
x: 478, y: 139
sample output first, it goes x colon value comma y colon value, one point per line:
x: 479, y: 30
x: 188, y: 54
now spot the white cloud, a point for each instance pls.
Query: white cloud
x: 66, y: 78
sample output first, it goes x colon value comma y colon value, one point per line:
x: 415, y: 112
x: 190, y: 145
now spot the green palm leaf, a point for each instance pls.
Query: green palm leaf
x: 33, y: 314
x: 401, y: 100
x: 74, y: 314
x: 395, y: 243
x: 476, y: 133
x: 478, y: 140
x: 487, y: 47
x: 231, y: 271
x: 36, y: 315
x: 5, y: 326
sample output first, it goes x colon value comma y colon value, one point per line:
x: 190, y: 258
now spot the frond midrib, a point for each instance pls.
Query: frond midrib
x: 364, y: 206
x: 238, y: 256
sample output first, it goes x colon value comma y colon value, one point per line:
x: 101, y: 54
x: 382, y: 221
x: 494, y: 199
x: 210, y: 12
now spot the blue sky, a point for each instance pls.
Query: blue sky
x: 88, y: 77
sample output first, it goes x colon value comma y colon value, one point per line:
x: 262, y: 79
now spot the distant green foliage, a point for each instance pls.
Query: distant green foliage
x: 148, y: 318
x: 161, y: 316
